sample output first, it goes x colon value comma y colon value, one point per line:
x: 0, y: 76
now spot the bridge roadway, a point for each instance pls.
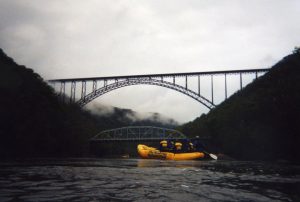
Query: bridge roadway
x: 182, y: 74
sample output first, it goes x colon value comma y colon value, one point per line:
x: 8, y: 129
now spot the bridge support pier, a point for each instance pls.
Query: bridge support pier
x: 94, y: 86
x: 62, y: 92
x: 225, y: 86
x: 212, y: 89
x: 73, y: 91
x: 83, y: 90
x: 241, y: 81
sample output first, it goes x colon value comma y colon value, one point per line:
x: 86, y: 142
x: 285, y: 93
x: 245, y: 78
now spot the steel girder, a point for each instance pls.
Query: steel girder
x: 148, y: 81
x: 170, y: 75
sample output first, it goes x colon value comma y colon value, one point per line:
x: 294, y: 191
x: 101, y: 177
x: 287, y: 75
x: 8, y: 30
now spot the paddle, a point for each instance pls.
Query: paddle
x: 213, y: 156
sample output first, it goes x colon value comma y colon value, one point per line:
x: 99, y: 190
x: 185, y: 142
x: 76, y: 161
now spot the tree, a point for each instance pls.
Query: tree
x: 296, y: 50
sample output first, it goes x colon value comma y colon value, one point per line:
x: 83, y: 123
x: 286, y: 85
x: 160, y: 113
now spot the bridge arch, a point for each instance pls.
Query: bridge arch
x: 133, y: 133
x: 147, y: 81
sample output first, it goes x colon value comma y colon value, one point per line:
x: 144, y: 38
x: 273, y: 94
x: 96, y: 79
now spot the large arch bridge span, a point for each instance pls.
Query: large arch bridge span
x: 169, y: 81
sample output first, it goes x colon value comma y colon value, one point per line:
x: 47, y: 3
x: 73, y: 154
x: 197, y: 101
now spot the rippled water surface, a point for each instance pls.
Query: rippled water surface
x: 147, y: 180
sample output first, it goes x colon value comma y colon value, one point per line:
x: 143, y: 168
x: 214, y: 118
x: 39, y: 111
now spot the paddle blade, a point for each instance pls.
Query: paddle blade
x: 213, y: 156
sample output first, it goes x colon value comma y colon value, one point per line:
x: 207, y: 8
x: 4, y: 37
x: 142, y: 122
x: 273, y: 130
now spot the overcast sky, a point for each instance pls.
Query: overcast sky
x: 72, y: 38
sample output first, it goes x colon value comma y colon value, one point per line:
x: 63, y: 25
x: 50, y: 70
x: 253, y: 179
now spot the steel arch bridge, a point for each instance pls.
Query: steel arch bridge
x: 128, y: 82
x: 163, y: 80
x: 135, y: 133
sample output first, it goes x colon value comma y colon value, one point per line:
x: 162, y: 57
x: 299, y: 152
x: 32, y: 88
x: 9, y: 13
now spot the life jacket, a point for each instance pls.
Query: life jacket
x: 178, y: 145
x: 191, y: 146
x: 163, y: 144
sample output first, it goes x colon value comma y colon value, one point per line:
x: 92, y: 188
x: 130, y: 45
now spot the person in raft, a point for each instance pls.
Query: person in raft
x: 163, y: 145
x: 178, y: 147
x: 187, y: 145
x: 198, y: 146
x: 166, y: 145
x: 184, y: 145
x: 190, y: 146
x: 170, y: 145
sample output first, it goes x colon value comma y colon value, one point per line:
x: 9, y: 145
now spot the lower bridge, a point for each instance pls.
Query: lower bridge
x: 123, y: 141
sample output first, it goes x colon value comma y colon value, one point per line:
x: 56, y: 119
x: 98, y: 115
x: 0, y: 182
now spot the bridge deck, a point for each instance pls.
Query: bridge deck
x: 161, y: 75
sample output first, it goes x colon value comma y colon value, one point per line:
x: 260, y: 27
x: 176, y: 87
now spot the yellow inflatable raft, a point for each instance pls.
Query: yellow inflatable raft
x: 153, y: 153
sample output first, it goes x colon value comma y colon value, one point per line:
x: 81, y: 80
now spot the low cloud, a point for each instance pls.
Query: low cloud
x: 135, y: 117
x: 100, y: 109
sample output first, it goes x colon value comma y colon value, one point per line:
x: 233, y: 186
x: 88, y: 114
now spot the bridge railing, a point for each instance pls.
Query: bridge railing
x: 170, y: 75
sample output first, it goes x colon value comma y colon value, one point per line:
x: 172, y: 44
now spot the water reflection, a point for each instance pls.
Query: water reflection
x: 164, y: 163
x: 140, y: 179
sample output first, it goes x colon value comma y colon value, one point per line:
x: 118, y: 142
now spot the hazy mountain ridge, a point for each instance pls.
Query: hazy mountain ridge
x: 262, y: 120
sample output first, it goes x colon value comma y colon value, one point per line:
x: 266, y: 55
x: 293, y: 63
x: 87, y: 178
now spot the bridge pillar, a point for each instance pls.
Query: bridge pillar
x: 198, y: 84
x: 94, y: 86
x: 73, y: 90
x: 241, y: 81
x: 83, y: 90
x: 186, y: 82
x: 225, y: 86
x: 105, y: 84
x: 212, y: 89
x: 62, y: 91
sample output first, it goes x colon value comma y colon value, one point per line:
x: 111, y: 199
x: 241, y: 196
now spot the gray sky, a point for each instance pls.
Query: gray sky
x: 72, y: 38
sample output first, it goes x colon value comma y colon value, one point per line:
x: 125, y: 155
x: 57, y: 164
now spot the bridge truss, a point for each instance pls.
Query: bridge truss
x: 163, y: 80
x: 133, y: 133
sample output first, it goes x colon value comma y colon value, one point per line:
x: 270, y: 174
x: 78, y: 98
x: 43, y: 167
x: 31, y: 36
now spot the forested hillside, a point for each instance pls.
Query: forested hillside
x: 34, y: 123
x: 262, y: 120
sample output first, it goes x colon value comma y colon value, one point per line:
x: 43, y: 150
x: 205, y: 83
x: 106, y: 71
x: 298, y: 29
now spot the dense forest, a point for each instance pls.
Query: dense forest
x: 34, y: 123
x: 261, y: 121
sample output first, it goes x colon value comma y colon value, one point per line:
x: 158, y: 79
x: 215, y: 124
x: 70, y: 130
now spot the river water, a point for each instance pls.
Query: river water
x: 147, y: 180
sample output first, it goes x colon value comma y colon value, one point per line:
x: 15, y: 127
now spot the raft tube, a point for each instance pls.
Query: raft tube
x: 153, y: 153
